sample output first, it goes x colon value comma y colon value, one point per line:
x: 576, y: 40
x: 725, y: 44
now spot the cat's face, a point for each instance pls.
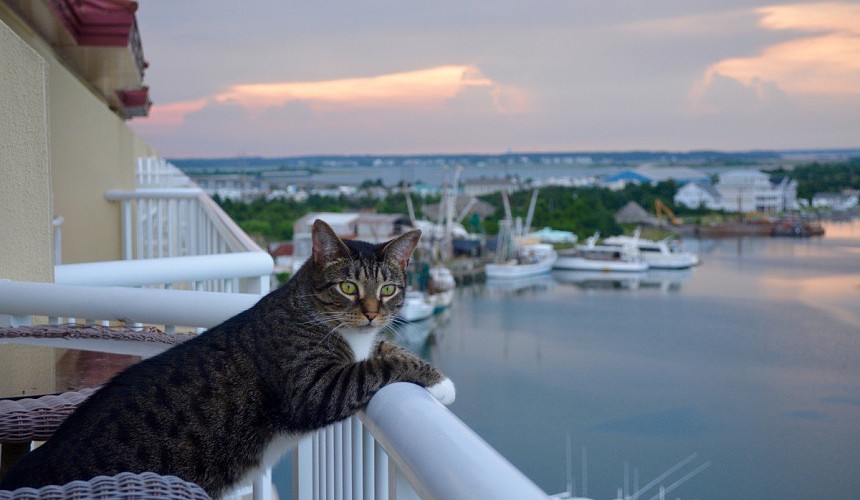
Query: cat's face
x: 360, y: 293
x: 359, y: 285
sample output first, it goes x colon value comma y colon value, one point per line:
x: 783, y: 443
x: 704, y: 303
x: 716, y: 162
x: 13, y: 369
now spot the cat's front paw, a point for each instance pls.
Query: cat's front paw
x: 444, y: 391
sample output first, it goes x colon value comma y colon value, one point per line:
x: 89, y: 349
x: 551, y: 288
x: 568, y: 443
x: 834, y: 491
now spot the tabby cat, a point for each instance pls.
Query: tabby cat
x: 218, y: 408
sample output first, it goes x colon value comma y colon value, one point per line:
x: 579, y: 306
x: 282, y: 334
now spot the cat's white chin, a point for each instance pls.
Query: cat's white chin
x: 443, y: 391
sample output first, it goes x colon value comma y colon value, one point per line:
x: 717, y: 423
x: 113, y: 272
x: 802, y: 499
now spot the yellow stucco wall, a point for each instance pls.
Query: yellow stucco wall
x: 25, y: 183
x: 92, y: 151
x: 25, y: 199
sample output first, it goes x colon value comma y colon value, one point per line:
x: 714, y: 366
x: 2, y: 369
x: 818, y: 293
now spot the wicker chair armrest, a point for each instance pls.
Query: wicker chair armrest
x: 125, y: 485
x: 36, y: 419
x: 72, y: 331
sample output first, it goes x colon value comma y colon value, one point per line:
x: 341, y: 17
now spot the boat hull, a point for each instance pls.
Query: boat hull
x: 582, y: 264
x: 512, y: 271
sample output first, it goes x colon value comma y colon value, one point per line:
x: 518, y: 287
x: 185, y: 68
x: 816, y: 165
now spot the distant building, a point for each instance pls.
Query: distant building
x: 695, y: 195
x: 652, y: 174
x: 835, y: 201
x: 482, y: 186
x: 371, y: 227
x: 282, y: 253
x: 753, y: 191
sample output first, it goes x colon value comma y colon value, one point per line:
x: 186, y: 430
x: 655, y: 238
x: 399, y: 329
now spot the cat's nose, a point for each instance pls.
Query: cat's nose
x: 370, y: 315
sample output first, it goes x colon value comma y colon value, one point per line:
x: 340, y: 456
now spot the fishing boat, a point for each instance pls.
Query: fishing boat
x: 529, y: 260
x: 606, y: 258
x: 657, y: 254
x: 519, y: 256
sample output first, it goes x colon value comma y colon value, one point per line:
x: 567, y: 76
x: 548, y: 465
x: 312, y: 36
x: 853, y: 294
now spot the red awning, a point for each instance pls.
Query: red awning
x: 97, y: 22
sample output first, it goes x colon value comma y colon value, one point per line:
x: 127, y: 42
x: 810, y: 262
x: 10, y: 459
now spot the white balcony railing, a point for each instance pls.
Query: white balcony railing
x: 246, y: 272
x: 403, y: 431
x: 168, y: 216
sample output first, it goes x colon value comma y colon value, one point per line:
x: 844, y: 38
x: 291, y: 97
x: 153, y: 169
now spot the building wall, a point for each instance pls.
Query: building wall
x: 93, y: 151
x: 90, y: 150
x: 25, y: 182
x: 25, y: 197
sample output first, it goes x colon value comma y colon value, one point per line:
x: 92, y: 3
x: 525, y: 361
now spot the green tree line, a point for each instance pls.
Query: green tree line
x: 817, y: 177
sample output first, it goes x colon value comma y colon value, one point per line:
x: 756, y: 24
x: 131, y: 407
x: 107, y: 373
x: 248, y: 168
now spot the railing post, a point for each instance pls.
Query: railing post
x: 303, y: 469
x: 357, y: 458
x: 263, y: 485
x: 380, y: 476
x: 367, y: 458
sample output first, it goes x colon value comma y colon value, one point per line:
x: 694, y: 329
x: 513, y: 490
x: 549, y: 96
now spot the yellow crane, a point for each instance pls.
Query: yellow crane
x: 661, y: 209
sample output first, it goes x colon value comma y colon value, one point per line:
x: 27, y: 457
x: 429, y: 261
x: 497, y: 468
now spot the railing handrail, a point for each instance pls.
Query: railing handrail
x: 164, y: 270
x: 132, y: 305
x: 416, y: 430
x: 171, y: 193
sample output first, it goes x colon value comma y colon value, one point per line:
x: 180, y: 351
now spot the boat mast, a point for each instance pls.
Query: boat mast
x: 531, y: 212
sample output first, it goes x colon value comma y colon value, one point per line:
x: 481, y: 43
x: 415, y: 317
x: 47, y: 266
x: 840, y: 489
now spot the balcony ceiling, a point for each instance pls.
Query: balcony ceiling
x: 100, y: 40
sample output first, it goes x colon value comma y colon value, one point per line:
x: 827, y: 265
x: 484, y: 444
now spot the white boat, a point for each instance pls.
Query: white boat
x: 416, y: 306
x: 658, y: 254
x: 594, y: 257
x: 440, y: 288
x: 531, y: 260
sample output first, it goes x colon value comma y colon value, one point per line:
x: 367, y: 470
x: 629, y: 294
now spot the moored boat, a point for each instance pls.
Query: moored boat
x: 594, y: 257
x: 657, y: 254
x: 530, y: 260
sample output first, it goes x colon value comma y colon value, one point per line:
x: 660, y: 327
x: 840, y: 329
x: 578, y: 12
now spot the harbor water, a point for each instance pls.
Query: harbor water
x: 750, y: 361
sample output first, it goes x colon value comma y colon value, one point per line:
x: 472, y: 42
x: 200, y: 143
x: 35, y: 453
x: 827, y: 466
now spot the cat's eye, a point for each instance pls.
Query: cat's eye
x: 348, y: 287
x: 388, y: 290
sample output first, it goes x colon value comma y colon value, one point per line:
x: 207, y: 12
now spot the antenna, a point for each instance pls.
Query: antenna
x: 679, y: 482
x: 569, y: 467
x: 665, y: 474
x: 584, y: 472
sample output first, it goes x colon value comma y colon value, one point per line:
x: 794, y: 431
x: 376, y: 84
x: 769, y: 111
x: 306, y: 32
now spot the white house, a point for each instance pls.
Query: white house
x: 695, y: 195
x: 752, y: 191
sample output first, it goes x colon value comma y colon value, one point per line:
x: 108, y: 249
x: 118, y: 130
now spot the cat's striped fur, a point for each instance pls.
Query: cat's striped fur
x: 207, y: 410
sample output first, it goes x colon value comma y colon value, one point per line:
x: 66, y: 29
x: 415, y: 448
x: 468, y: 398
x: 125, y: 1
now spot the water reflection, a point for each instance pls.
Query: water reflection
x: 414, y: 335
x: 519, y: 286
x: 662, y: 280
x: 751, y: 359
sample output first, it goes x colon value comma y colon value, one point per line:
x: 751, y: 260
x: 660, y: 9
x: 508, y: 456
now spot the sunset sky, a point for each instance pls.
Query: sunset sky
x: 281, y: 78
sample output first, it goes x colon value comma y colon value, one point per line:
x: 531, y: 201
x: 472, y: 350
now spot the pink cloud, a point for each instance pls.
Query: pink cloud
x: 824, y: 60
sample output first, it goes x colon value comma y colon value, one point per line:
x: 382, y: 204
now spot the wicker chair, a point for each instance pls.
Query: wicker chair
x: 35, y: 419
x: 124, y: 485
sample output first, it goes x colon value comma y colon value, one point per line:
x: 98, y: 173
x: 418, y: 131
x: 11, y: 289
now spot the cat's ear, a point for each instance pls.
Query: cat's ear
x: 400, y: 249
x: 327, y: 247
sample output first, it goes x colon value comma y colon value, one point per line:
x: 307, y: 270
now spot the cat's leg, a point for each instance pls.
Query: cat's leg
x: 330, y: 391
x: 442, y: 390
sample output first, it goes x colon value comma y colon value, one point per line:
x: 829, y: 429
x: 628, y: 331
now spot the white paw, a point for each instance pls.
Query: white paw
x: 443, y: 391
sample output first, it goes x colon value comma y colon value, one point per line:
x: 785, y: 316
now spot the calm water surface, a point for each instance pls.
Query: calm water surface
x: 751, y: 360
